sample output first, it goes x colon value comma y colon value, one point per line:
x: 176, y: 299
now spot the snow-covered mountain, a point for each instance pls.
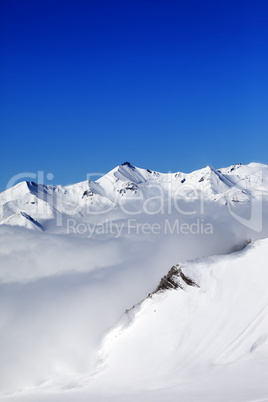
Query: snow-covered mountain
x: 206, y: 324
x: 129, y: 190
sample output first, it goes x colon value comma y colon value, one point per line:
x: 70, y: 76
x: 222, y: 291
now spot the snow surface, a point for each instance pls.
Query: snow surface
x: 185, y: 334
x: 68, y: 328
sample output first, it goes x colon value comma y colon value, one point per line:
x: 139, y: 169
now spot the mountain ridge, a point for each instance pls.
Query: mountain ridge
x: 125, y: 185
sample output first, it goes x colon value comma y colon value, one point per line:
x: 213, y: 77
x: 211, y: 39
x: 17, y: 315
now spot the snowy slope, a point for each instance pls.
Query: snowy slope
x: 195, y: 343
x: 24, y: 220
x: 180, y: 334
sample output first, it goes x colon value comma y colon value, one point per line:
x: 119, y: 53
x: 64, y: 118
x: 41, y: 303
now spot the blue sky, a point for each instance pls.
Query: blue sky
x: 166, y: 85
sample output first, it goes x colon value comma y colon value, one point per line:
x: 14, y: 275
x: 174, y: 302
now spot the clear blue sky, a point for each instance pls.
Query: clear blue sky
x: 166, y: 85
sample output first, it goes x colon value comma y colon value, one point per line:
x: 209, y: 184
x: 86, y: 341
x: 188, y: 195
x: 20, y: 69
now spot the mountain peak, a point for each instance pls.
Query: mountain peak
x: 128, y: 164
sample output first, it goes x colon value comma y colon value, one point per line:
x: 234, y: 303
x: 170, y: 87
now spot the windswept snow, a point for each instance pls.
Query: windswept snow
x: 182, y: 334
x: 205, y: 342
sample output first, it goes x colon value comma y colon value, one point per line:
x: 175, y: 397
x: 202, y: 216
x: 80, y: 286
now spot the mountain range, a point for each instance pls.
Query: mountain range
x: 128, y: 190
